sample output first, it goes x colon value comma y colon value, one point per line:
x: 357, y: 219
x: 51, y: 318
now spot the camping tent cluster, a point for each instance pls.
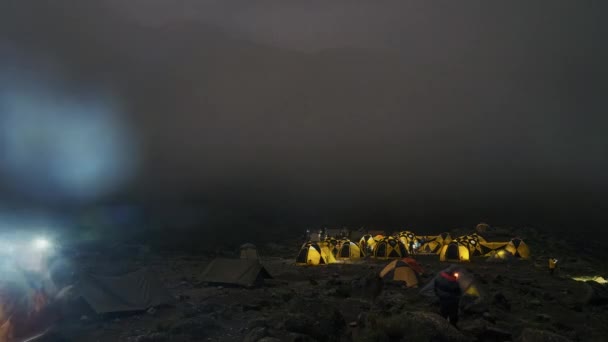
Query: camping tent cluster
x: 401, y: 244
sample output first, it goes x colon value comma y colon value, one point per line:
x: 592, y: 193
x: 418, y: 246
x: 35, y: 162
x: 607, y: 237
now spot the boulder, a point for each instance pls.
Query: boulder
x: 412, y: 326
x: 535, y: 335
x: 499, y: 300
x: 269, y: 339
x: 495, y: 334
x: 197, y: 326
x: 256, y: 334
x: 151, y: 337
x: 596, y: 293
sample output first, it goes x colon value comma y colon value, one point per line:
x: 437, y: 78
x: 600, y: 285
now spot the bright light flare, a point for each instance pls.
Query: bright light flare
x: 61, y: 142
x: 41, y: 244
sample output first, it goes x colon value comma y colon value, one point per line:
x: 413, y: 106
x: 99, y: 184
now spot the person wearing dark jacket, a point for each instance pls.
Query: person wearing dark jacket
x: 448, y: 290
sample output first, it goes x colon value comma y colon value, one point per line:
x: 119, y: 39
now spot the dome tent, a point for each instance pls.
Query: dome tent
x: 518, y: 248
x: 314, y: 254
x: 454, y: 251
x: 350, y: 250
x: 474, y: 243
x: 404, y: 270
x: 389, y: 247
x: 367, y: 242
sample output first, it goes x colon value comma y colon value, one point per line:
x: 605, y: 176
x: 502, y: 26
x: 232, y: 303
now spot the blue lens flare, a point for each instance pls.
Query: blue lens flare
x: 59, y: 143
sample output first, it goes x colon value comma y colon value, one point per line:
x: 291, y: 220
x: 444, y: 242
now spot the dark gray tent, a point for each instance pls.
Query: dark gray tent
x: 136, y: 291
x: 242, y: 272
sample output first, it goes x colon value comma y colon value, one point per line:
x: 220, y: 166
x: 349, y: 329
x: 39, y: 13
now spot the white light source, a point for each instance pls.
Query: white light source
x: 41, y: 244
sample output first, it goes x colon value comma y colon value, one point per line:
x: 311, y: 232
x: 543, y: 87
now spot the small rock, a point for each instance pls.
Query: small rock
x: 362, y: 319
x: 151, y: 311
x: 152, y: 337
x: 252, y: 307
x: 489, y: 317
x: 501, y: 301
x: 256, y: 334
x: 84, y: 318
x: 269, y: 339
x: 543, y: 317
x: 257, y: 323
x: 495, y: 334
x: 352, y: 324
x: 535, y: 335
x: 535, y: 302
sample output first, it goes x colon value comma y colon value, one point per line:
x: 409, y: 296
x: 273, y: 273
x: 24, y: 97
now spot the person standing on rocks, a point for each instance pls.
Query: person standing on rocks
x: 448, y: 290
x: 552, y: 265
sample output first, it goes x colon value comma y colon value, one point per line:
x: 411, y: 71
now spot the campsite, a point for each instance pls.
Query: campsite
x: 302, y: 171
x: 259, y: 293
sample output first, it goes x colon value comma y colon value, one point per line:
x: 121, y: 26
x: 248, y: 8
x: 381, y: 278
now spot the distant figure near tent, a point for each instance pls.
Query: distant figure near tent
x: 449, y: 292
x: 552, y: 265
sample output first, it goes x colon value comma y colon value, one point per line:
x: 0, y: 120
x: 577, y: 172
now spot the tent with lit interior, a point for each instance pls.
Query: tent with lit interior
x: 389, y: 247
x: 349, y: 250
x: 518, y: 248
x: 454, y: 251
x: 313, y: 253
x: 474, y: 243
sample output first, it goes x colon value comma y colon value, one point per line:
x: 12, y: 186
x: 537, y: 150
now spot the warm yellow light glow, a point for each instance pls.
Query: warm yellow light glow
x: 597, y: 279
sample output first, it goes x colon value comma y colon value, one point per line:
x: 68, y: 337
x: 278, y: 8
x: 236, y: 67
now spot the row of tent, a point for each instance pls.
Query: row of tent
x: 405, y: 243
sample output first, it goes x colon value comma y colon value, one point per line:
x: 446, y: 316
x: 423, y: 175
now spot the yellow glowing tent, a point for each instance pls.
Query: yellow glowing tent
x: 407, y: 237
x: 474, y: 243
x: 518, y: 248
x: 313, y: 253
x: 389, y: 247
x: 454, y: 251
x: 350, y: 250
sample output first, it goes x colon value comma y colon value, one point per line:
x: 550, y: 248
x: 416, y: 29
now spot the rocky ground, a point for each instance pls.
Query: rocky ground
x: 341, y: 302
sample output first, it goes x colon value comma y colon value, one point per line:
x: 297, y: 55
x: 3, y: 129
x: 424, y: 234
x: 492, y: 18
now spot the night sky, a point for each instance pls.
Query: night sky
x: 426, y: 113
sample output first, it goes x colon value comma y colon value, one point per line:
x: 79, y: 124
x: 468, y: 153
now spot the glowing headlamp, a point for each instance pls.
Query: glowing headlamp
x: 41, y: 244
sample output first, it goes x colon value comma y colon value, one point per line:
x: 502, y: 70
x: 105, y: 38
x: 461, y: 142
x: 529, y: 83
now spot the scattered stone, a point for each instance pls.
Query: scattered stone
x: 269, y: 339
x: 543, y: 317
x: 362, y: 319
x: 152, y: 337
x: 495, y: 334
x: 535, y: 335
x: 489, y: 317
x: 257, y: 322
x: 412, y: 326
x: 151, y: 311
x: 198, y: 326
x: 252, y: 307
x: 475, y: 327
x: 535, y: 302
x: 295, y: 337
x: 500, y: 301
x: 256, y: 334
